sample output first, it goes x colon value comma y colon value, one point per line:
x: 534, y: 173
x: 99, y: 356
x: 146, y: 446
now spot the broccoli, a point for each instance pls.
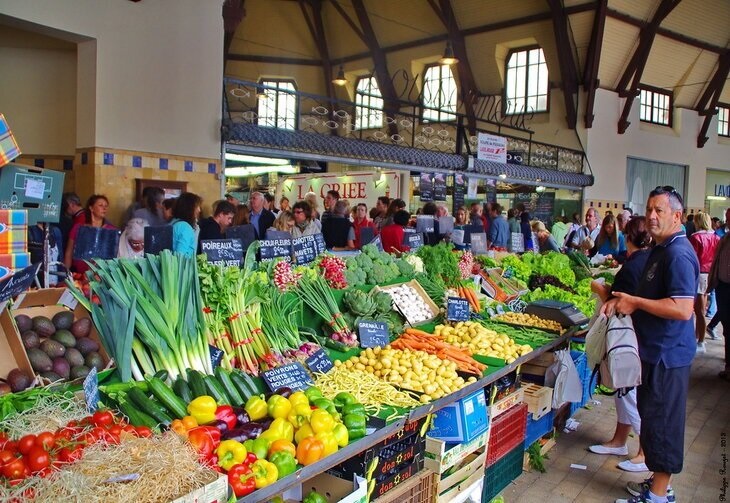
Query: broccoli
x: 365, y: 261
x: 352, y: 277
x: 405, y: 268
x: 378, y: 274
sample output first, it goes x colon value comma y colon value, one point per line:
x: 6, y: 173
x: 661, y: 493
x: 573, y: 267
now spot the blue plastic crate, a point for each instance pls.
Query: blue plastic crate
x: 536, y: 428
x: 585, y: 374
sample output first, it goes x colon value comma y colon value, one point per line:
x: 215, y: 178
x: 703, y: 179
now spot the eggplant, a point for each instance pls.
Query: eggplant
x: 221, y: 426
x: 245, y: 432
x: 284, y: 391
x: 241, y: 415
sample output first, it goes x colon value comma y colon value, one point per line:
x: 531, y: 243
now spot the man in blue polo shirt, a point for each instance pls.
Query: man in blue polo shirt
x: 662, y: 312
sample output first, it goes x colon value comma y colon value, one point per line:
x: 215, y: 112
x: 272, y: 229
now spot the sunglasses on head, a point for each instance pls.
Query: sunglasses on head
x: 668, y: 189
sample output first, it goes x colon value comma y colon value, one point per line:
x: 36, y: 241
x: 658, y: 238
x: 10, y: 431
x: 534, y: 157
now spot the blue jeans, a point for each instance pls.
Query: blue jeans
x: 711, y: 304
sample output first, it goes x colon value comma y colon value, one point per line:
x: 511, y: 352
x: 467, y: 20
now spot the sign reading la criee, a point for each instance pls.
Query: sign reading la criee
x: 356, y: 187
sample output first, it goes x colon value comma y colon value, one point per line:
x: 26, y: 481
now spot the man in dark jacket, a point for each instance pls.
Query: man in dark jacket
x: 260, y: 217
x: 215, y: 227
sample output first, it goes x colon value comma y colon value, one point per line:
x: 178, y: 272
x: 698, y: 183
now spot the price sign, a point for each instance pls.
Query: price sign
x: 457, y: 309
x: 373, y: 333
x: 425, y: 187
x: 413, y: 239
x: 91, y: 390
x: 425, y: 223
x: 273, y: 248
x: 479, y: 243
x: 305, y: 249
x: 321, y: 245
x: 18, y: 282
x: 244, y: 233
x: 225, y: 252
x: 517, y: 242
x: 96, y: 243
x: 319, y: 362
x: 367, y: 234
x: 216, y: 355
x: 378, y: 243
x: 292, y: 375
x: 157, y: 238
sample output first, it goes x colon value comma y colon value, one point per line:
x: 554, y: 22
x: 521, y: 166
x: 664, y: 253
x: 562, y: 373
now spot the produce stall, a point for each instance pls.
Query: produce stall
x: 270, y: 374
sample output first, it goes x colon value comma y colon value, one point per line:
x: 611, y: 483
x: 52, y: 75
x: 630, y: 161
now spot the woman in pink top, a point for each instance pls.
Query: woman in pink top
x: 704, y: 242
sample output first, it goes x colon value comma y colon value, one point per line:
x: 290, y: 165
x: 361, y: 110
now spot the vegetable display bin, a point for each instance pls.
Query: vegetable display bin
x: 507, y: 432
x: 537, y: 428
x: 500, y: 474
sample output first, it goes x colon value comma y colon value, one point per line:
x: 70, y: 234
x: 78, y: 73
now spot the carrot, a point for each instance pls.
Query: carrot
x: 415, y: 331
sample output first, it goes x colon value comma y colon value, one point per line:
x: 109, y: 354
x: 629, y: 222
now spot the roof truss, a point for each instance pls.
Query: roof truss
x: 707, y: 104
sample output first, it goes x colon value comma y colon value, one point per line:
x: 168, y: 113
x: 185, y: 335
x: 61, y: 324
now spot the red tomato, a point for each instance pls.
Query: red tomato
x: 143, y: 431
x: 128, y: 428
x: 102, y: 418
x: 116, y: 429
x: 37, y: 459
x: 70, y: 454
x: 26, y: 443
x: 15, y: 469
x: 46, y: 440
x: 3, y: 439
x: 5, y: 457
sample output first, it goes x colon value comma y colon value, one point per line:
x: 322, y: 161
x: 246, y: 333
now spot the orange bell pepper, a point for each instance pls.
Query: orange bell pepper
x: 310, y: 450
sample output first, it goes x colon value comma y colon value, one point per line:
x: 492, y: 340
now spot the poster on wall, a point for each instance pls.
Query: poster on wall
x: 472, y: 188
x: 459, y: 189
x: 357, y: 186
x: 439, y: 187
x: 425, y: 187
x: 492, y: 148
x: 491, y: 191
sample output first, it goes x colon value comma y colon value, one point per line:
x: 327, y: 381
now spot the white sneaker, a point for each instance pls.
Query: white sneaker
x: 616, y: 451
x: 628, y: 466
x: 711, y: 334
x: 701, y: 347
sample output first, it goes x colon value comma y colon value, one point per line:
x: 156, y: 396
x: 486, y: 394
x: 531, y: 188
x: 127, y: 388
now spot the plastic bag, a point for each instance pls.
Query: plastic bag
x: 563, y: 377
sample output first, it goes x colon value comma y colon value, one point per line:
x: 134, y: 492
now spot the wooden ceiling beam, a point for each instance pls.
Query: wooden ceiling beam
x: 233, y: 14
x: 590, y: 74
x: 566, y: 61
x: 707, y: 105
x: 628, y: 86
x: 349, y: 20
x: 277, y: 60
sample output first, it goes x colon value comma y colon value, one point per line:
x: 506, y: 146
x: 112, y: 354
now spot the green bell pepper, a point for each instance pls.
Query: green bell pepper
x: 324, y: 403
x: 342, y: 399
x: 259, y: 446
x: 313, y: 393
x: 355, y: 424
x: 314, y: 497
x: 354, y: 408
x: 285, y: 463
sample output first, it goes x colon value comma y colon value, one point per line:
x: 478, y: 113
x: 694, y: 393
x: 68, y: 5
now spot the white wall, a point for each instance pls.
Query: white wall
x: 158, y: 70
x: 608, y: 150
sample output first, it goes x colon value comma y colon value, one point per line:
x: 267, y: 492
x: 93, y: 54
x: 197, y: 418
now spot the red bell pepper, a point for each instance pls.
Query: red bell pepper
x: 205, y: 440
x: 226, y: 414
x: 242, y: 480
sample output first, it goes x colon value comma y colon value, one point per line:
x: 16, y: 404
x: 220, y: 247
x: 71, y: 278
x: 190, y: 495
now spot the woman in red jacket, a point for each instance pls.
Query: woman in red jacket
x: 704, y: 242
x: 392, y: 234
x: 361, y: 221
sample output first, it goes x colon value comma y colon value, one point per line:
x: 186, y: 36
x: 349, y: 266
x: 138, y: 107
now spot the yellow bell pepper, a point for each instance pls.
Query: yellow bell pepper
x: 280, y: 429
x: 230, y: 452
x: 300, y: 413
x: 265, y: 473
x: 321, y: 420
x: 328, y: 440
x: 202, y: 409
x: 341, y: 435
x: 256, y: 408
x: 278, y: 406
x: 303, y: 432
x: 297, y: 398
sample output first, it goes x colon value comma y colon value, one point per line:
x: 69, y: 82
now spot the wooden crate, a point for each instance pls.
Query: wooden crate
x: 506, y: 403
x: 539, y: 399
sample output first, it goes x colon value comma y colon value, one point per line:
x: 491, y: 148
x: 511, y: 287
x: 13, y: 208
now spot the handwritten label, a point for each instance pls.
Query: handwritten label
x: 18, y: 282
x: 273, y: 248
x: 292, y: 375
x: 321, y: 245
x: 457, y: 309
x: 319, y: 362
x: 225, y: 252
x: 425, y: 187
x: 517, y: 242
x: 94, y: 243
x: 34, y: 188
x: 373, y: 333
x: 216, y: 355
x: 305, y: 249
x: 425, y: 223
x: 91, y: 390
x: 479, y: 243
x: 157, y: 238
x: 244, y: 233
x: 413, y: 239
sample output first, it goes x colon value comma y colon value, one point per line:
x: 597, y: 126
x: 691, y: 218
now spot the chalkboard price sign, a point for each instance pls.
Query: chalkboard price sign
x: 425, y: 223
x: 273, y: 248
x: 18, y: 282
x: 425, y: 187
x: 216, y: 355
x: 244, y: 233
x: 157, y: 238
x: 377, y: 243
x: 225, y: 252
x: 319, y: 362
x: 321, y: 245
x: 457, y: 309
x: 479, y: 243
x: 373, y: 333
x: 292, y: 375
x: 91, y: 390
x: 413, y: 239
x: 305, y: 249
x: 96, y: 243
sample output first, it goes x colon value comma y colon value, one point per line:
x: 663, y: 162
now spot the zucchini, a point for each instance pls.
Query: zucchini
x: 150, y: 407
x: 136, y: 417
x: 225, y: 379
x: 162, y: 375
x: 197, y: 385
x: 181, y: 389
x: 215, y: 389
x: 167, y: 397
x: 244, y: 390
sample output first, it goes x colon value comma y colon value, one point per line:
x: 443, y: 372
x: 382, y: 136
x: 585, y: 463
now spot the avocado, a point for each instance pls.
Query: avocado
x: 19, y: 380
x: 39, y: 360
x: 86, y: 345
x: 30, y: 339
x: 79, y: 371
x: 94, y: 359
x: 81, y: 327
x: 23, y: 322
x: 61, y: 367
x: 51, y: 376
x: 74, y: 357
x: 63, y: 320
x: 52, y: 348
x: 43, y: 326
x: 64, y: 337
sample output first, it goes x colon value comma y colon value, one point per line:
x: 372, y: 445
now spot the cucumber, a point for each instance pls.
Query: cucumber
x: 136, y: 417
x: 149, y: 406
x: 225, y: 379
x: 162, y: 374
x: 256, y: 387
x: 197, y: 385
x: 215, y: 389
x: 242, y: 385
x: 181, y: 389
x: 168, y: 398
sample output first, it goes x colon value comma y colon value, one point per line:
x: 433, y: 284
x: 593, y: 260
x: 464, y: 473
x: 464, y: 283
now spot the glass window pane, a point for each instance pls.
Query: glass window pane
x: 534, y: 56
x: 532, y: 78
x: 522, y: 58
x: 542, y: 103
x: 520, y: 89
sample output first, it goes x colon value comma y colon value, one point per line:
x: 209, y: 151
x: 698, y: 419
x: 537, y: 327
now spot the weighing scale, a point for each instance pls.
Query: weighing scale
x: 564, y: 313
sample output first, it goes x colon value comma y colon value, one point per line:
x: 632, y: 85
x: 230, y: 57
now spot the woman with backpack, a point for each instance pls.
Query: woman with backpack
x: 638, y: 242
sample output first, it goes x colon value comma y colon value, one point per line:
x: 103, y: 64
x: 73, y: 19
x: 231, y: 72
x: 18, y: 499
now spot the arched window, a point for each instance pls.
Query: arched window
x: 278, y: 107
x: 369, y: 104
x: 526, y: 86
x: 439, y: 94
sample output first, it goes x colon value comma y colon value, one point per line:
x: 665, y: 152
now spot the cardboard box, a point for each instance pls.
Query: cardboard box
x: 13, y: 231
x: 36, y: 190
x: 215, y: 492
x: 539, y: 399
x: 9, y: 149
x: 506, y: 403
x: 46, y: 302
x: 470, y: 471
x: 335, y: 489
x: 441, y: 456
x: 463, y: 420
x: 421, y: 293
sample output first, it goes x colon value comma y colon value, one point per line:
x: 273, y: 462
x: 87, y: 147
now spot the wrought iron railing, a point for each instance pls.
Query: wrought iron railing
x: 402, y: 124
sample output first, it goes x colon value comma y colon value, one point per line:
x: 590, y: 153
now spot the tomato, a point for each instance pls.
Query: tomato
x: 70, y: 454
x: 26, y: 443
x: 143, y: 431
x: 6, y: 457
x: 46, y: 440
x: 15, y: 469
x: 102, y: 418
x: 37, y: 459
x: 4, y: 439
x: 128, y: 428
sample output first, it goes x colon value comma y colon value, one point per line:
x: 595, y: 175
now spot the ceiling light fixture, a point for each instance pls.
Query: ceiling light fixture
x: 448, y: 58
x: 244, y: 171
x: 340, y: 80
x: 716, y: 198
x: 540, y: 188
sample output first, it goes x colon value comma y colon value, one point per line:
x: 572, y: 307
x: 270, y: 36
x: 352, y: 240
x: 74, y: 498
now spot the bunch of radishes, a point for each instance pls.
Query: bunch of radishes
x: 466, y: 264
x: 284, y: 276
x: 333, y: 269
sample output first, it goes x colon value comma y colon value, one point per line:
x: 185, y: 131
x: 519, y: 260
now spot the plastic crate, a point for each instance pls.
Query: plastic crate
x: 537, y: 428
x: 500, y: 474
x: 419, y: 489
x: 507, y: 432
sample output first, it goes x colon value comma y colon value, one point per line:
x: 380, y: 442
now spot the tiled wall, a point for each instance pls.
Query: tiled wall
x: 113, y: 173
x: 602, y: 205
